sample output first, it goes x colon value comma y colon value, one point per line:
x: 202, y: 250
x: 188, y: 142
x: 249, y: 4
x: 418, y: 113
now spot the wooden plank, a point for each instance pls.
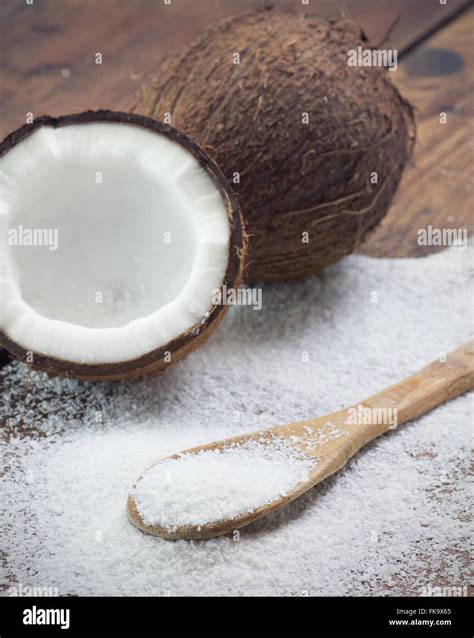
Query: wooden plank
x: 48, y: 48
x: 438, y: 191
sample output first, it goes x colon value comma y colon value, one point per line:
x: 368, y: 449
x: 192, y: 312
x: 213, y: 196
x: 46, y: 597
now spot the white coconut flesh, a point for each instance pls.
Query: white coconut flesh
x: 131, y: 240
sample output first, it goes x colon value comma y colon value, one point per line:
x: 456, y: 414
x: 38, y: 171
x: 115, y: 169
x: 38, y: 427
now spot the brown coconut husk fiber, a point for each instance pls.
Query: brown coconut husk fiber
x: 305, y: 189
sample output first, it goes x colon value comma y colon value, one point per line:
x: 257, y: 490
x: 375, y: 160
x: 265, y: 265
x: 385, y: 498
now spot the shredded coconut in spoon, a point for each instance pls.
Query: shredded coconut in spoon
x: 395, y: 520
x: 217, y: 485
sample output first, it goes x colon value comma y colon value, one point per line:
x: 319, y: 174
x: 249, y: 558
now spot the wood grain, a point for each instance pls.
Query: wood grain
x: 48, y: 66
x: 437, y: 78
x: 48, y: 48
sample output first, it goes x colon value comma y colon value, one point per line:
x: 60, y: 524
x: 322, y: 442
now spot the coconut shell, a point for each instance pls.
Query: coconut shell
x: 4, y: 358
x: 160, y: 359
x: 307, y: 190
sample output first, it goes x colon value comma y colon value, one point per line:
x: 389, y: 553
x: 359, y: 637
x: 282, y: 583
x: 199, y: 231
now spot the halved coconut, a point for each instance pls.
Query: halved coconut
x: 116, y: 231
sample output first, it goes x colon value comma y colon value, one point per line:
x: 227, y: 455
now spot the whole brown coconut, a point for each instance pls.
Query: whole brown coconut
x: 314, y: 148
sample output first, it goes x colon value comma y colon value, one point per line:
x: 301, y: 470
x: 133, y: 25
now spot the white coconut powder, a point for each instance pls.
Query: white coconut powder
x: 394, y: 520
x: 216, y: 485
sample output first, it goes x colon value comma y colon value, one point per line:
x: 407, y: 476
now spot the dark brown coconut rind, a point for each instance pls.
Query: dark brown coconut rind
x: 4, y: 358
x: 156, y: 361
x: 295, y: 178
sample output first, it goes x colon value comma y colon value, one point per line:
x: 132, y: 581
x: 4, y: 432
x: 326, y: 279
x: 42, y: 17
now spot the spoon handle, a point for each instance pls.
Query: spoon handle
x: 438, y: 382
x: 359, y: 424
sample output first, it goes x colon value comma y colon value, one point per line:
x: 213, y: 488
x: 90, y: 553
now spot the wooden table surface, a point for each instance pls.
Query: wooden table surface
x: 47, y: 66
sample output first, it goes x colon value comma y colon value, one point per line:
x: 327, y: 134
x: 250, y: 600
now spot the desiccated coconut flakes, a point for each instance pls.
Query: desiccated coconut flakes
x: 394, y: 520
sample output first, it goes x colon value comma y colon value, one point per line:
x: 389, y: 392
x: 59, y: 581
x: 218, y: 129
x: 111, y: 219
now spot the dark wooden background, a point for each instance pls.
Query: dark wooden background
x: 47, y: 66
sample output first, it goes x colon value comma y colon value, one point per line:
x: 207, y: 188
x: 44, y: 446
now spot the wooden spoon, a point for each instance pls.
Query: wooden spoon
x: 358, y: 425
